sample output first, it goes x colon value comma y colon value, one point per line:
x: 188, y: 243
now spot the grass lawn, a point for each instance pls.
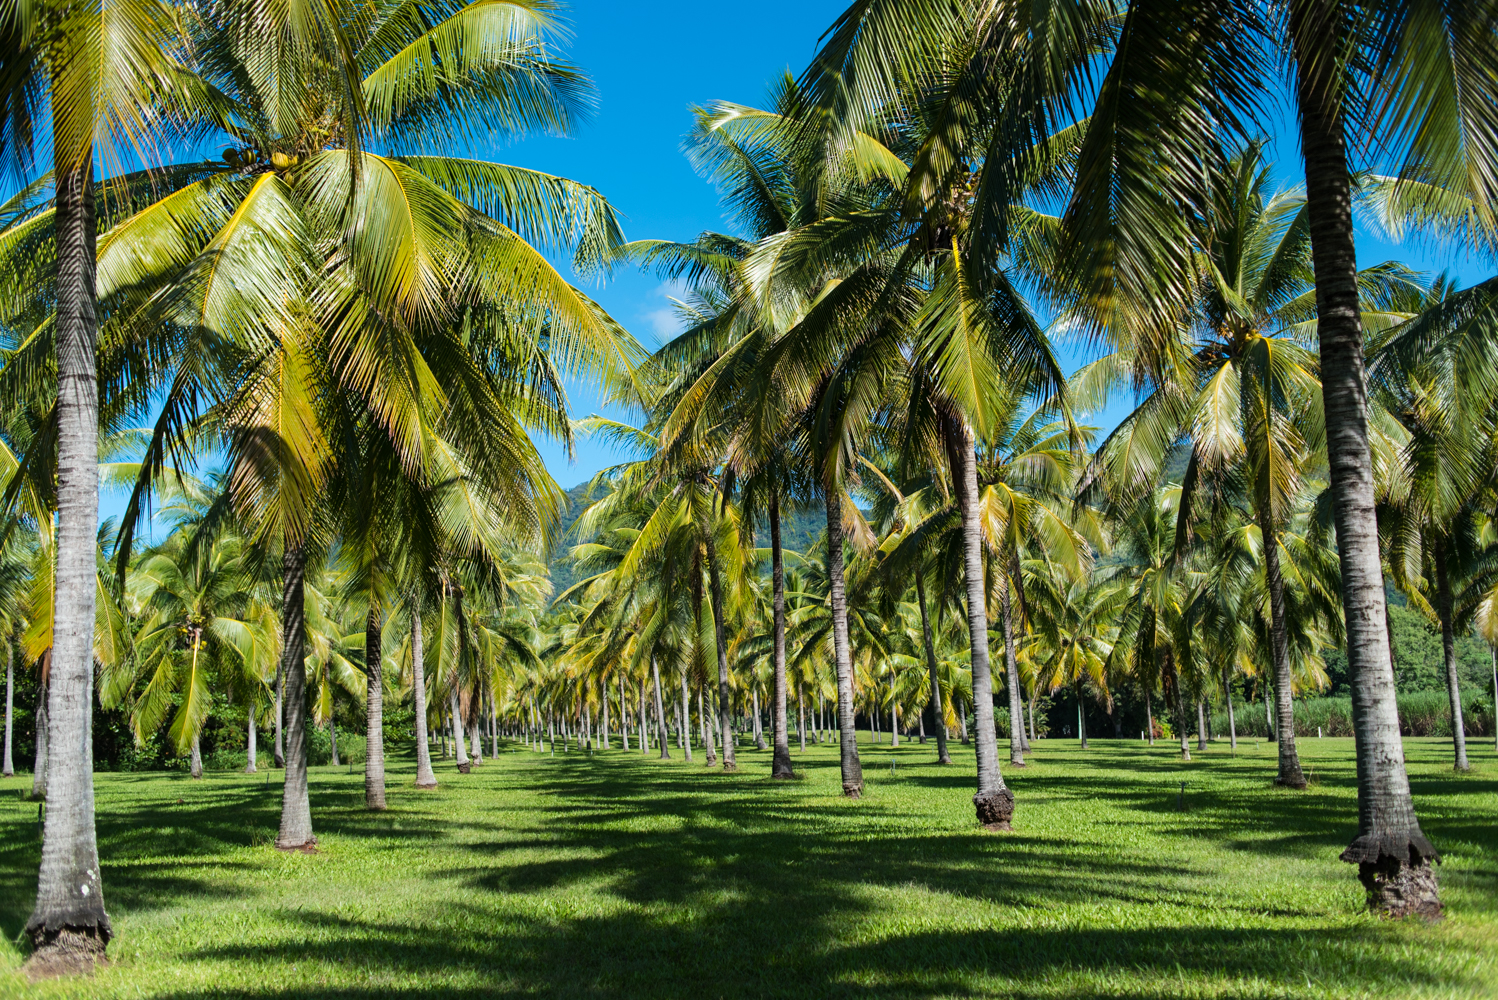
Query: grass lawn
x: 614, y: 875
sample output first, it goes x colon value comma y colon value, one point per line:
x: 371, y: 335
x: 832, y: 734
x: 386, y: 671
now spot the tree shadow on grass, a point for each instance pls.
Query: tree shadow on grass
x: 789, y: 946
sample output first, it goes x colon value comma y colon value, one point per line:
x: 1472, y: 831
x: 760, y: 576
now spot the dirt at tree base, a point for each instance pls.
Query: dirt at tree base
x: 1399, y: 889
x: 66, y: 952
x: 995, y: 809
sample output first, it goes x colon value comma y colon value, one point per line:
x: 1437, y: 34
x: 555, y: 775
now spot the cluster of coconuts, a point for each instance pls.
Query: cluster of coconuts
x: 249, y: 157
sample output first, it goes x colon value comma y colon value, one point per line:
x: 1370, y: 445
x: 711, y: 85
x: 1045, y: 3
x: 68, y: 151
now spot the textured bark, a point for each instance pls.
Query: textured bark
x: 374, y: 712
x: 296, y: 809
x: 852, y: 767
x: 780, y: 764
x: 9, y: 767
x: 707, y: 730
x: 1227, y: 687
x: 1448, y: 649
x: 1081, y: 717
x: 801, y: 716
x: 1011, y: 680
x: 644, y: 733
x: 39, y: 768
x: 1180, y: 705
x: 333, y: 741
x: 1201, y: 724
x: 1388, y: 831
x: 686, y: 719
x: 759, y: 732
x: 278, y: 752
x: 1149, y: 717
x: 623, y: 713
x: 660, y: 709
x: 993, y: 801
x: 250, y: 740
x: 460, y: 751
x: 603, y: 691
x: 70, y: 892
x: 715, y: 595
x: 1289, y: 761
x: 8, y: 770
x: 425, y: 777
x: 195, y: 759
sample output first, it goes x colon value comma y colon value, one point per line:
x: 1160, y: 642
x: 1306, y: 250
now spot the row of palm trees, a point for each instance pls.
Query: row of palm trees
x: 872, y: 319
x: 367, y: 331
x: 364, y: 330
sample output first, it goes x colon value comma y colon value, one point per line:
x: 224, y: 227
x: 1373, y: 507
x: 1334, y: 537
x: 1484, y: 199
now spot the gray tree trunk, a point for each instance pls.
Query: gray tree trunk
x: 1392, y: 854
x: 1227, y: 688
x: 1011, y: 680
x: 296, y: 809
x: 1448, y: 649
x: 9, y: 767
x: 195, y: 760
x: 476, y: 735
x: 603, y: 691
x: 425, y: 777
x: 929, y: 647
x: 278, y: 752
x: 39, y: 768
x: 374, y: 711
x: 686, y: 718
x: 759, y: 732
x: 801, y: 715
x: 68, y: 923
x: 333, y: 741
x: 493, y: 728
x: 623, y: 713
x: 644, y: 731
x: 1182, y: 728
x: 1289, y: 760
x: 250, y: 738
x: 715, y: 594
x: 1201, y: 724
x: 780, y: 764
x: 707, y: 730
x: 994, y: 802
x: 1149, y: 717
x: 660, y: 709
x: 852, y: 767
x: 455, y: 719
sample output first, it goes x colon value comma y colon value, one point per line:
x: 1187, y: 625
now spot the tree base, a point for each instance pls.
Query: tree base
x: 309, y: 847
x: 729, y: 765
x: 1296, y: 781
x: 68, y: 951
x: 465, y: 768
x: 426, y: 786
x: 944, y: 760
x: 250, y: 769
x: 995, y: 809
x: 1398, y: 889
x: 852, y: 791
x: 1017, y: 762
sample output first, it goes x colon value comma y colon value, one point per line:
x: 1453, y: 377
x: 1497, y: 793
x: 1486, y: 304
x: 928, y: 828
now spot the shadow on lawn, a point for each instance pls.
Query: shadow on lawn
x: 752, y: 888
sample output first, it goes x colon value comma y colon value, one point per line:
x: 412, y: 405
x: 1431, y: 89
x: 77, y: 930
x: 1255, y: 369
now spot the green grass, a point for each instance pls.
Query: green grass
x: 617, y: 876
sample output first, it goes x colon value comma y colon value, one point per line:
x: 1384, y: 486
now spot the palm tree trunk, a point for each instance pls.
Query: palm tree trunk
x: 707, y: 731
x: 9, y: 768
x: 852, y: 768
x: 69, y: 923
x: 250, y: 749
x: 195, y: 760
x: 1030, y: 704
x: 715, y: 593
x: 1227, y: 688
x: 1081, y: 717
x: 296, y: 809
x: 493, y: 728
x: 780, y: 764
x: 1392, y: 854
x: 374, y: 711
x: 759, y: 730
x: 476, y: 733
x: 333, y: 741
x: 603, y: 691
x: 1174, y: 676
x: 660, y: 709
x: 644, y: 734
x: 894, y: 718
x: 278, y: 752
x: 686, y: 718
x: 1289, y: 761
x: 425, y: 777
x: 929, y: 648
x: 1448, y: 648
x: 1149, y: 717
x: 39, y: 766
x: 962, y: 720
x: 455, y: 717
x: 1011, y: 680
x: 994, y: 802
x: 623, y: 712
x: 801, y: 715
x: 1201, y: 724
x: 1493, y: 655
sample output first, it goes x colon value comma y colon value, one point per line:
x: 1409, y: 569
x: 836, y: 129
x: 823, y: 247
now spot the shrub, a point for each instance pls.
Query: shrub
x: 1421, y: 713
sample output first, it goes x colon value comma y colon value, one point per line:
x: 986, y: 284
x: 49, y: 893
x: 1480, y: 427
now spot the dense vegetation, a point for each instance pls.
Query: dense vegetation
x: 858, y: 500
